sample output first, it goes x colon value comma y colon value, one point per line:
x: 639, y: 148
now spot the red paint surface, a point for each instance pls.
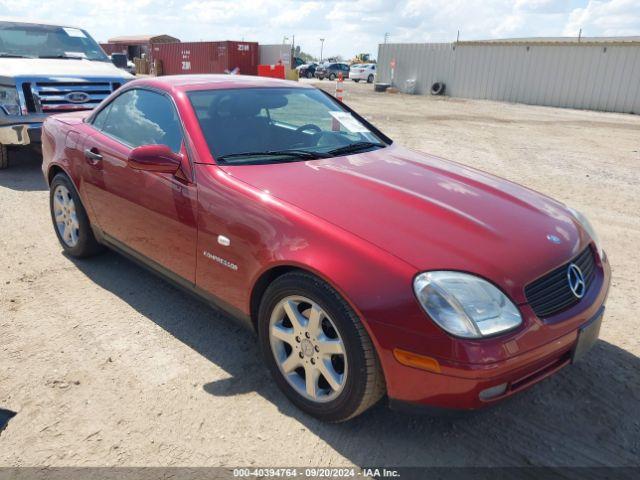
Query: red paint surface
x: 206, y: 57
x: 272, y: 71
x: 365, y: 223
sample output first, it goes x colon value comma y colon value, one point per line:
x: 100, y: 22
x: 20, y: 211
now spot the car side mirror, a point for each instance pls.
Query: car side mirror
x: 155, y: 158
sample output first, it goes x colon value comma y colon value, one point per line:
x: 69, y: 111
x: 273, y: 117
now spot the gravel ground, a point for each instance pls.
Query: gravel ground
x: 108, y: 365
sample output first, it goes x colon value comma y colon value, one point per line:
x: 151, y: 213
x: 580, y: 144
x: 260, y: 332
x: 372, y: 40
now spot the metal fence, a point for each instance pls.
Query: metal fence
x: 590, y: 75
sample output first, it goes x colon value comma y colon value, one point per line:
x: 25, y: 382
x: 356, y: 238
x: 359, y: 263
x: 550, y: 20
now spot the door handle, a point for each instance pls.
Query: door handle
x: 92, y: 156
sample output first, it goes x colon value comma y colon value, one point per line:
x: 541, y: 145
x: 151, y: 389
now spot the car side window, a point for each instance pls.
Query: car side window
x: 140, y: 117
x: 101, y: 117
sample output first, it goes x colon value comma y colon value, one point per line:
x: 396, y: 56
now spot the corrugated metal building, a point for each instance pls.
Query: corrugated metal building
x: 274, y: 54
x: 588, y: 73
x: 135, y: 45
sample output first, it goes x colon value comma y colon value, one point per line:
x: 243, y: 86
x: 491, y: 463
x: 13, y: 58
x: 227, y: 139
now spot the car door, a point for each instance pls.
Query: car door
x: 150, y: 214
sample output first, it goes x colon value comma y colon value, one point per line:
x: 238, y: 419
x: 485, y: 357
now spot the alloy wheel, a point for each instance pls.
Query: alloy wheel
x: 66, y: 217
x: 308, y: 349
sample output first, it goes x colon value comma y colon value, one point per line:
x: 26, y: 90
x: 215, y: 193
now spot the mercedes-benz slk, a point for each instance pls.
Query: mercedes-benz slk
x: 365, y: 268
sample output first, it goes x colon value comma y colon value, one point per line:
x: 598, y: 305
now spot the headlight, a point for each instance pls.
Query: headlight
x: 9, y: 101
x: 465, y: 305
x: 582, y: 220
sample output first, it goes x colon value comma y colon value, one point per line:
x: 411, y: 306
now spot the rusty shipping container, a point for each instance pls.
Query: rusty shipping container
x: 207, y: 57
x: 110, y: 48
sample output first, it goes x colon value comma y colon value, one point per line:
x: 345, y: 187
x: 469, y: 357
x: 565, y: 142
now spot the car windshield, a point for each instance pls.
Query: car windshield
x: 274, y: 125
x: 45, y: 41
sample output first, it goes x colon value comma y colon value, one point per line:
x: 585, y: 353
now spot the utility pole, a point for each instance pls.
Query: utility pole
x: 386, y: 37
x: 321, y: 48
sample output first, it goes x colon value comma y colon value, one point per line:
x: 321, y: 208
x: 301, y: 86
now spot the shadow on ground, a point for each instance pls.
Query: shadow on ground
x: 585, y: 415
x: 24, y: 172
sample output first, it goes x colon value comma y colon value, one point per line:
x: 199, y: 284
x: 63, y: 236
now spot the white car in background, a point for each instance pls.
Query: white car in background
x: 363, y: 71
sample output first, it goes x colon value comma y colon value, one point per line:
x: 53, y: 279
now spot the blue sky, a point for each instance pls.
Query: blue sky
x: 349, y: 27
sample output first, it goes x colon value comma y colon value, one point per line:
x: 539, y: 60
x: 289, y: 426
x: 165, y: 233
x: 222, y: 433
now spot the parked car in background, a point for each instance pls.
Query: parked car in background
x: 331, y: 71
x: 417, y: 278
x: 365, y: 72
x: 47, y: 69
x: 307, y: 70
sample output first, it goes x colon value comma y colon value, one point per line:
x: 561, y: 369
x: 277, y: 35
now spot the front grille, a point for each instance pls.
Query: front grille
x: 551, y: 294
x: 53, y: 97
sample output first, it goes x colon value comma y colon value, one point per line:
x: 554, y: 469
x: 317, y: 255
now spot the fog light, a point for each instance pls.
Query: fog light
x: 489, y: 393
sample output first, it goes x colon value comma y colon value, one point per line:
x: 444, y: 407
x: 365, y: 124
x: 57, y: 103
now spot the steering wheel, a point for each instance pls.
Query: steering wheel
x: 308, y: 126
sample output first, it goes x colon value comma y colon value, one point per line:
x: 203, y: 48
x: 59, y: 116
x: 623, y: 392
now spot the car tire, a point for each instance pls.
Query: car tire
x: 438, y: 88
x: 361, y: 382
x: 356, y: 80
x: 370, y: 79
x: 332, y: 77
x: 68, y: 215
x: 309, y: 75
x: 4, y: 157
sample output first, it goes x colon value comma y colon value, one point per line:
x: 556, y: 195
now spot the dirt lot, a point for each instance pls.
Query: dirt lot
x: 108, y: 365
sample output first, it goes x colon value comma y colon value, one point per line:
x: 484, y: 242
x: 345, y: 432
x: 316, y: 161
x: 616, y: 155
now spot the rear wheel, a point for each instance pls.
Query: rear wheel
x: 317, y: 349
x: 4, y: 157
x: 370, y: 79
x: 356, y: 80
x: 70, y: 220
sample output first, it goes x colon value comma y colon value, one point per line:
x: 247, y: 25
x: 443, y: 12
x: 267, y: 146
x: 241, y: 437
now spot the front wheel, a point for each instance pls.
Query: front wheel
x: 317, y: 350
x: 70, y: 220
x: 4, y: 157
x: 370, y: 79
x: 309, y: 75
x: 332, y: 77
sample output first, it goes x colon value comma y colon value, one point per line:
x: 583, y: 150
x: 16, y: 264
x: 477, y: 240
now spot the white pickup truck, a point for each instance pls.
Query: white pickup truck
x: 47, y: 69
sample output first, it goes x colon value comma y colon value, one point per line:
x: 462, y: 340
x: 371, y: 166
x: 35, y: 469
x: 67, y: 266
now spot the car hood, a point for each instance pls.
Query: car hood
x: 431, y: 213
x: 47, y: 68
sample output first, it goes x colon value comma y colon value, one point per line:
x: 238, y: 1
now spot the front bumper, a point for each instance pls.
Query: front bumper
x: 457, y: 384
x: 20, y: 133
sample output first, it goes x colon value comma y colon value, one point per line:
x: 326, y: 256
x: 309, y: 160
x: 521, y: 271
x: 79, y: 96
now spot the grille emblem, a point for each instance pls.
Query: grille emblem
x: 77, y: 97
x: 576, y: 280
x: 553, y: 239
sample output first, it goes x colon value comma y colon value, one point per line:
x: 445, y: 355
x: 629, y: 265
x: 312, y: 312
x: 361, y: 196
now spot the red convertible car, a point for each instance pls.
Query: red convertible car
x: 366, y: 269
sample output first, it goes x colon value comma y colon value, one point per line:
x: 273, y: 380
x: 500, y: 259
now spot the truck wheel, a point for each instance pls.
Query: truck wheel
x: 70, y: 220
x: 317, y: 349
x: 4, y: 157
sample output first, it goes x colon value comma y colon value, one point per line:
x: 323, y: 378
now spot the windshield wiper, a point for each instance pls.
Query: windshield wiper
x: 13, y: 55
x: 63, y: 55
x: 354, y: 147
x: 297, y: 154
